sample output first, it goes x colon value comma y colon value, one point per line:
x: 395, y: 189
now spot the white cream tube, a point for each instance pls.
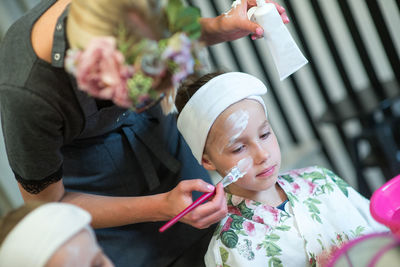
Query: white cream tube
x: 284, y: 50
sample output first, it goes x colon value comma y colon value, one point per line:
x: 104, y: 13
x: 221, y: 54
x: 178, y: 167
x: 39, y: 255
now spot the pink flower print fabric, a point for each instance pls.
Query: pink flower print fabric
x: 323, y: 212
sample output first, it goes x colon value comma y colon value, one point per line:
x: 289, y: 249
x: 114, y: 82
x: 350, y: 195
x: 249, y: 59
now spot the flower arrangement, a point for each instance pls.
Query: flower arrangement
x: 138, y: 75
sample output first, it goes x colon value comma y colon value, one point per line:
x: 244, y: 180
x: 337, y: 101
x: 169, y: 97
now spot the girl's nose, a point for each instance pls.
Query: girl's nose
x: 260, y: 154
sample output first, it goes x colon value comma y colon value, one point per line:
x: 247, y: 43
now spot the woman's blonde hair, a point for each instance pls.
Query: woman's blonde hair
x: 91, y: 18
x: 11, y: 219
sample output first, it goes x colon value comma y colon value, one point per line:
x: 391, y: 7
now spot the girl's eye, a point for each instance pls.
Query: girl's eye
x: 265, y: 135
x: 239, y: 149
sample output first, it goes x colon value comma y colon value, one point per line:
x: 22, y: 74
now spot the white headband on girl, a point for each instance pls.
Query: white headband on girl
x: 210, y: 100
x: 40, y: 233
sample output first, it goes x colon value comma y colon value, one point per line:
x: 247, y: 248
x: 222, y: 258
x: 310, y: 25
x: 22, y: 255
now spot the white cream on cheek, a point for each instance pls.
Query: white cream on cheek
x: 236, y: 123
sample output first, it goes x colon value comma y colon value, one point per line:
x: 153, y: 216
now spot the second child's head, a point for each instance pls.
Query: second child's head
x: 224, y: 120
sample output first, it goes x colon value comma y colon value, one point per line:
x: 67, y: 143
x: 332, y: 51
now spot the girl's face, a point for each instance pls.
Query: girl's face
x: 242, y: 131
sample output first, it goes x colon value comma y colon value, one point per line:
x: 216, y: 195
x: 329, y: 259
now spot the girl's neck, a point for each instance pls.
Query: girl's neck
x: 273, y: 196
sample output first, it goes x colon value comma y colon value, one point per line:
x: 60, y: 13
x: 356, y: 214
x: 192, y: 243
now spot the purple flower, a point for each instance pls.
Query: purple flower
x: 179, y: 52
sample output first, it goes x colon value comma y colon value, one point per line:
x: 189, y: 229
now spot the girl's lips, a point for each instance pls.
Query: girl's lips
x: 267, y: 172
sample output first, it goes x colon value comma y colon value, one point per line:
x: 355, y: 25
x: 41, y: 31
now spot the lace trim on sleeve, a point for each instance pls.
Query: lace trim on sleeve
x: 36, y: 186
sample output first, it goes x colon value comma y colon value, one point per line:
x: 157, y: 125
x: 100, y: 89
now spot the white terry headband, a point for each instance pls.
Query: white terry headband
x: 40, y: 233
x: 210, y: 100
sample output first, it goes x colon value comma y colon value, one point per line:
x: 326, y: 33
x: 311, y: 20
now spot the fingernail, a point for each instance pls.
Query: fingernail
x: 210, y: 187
x: 286, y: 18
x: 259, y: 31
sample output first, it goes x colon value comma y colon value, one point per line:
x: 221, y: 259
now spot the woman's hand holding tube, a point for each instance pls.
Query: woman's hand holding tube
x: 202, y: 216
x: 234, y: 24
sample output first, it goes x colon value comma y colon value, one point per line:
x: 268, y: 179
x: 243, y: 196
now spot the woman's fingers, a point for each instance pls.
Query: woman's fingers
x: 210, y: 212
x: 188, y: 186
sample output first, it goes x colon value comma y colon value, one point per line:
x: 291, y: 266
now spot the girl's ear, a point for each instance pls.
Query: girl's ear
x: 207, y: 164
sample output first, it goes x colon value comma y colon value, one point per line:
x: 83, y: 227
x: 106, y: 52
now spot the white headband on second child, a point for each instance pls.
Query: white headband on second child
x: 40, y: 233
x: 210, y: 100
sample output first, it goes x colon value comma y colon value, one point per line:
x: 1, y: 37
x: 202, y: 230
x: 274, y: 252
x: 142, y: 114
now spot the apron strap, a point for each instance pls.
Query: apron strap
x: 144, y: 141
x: 144, y: 159
x: 146, y: 132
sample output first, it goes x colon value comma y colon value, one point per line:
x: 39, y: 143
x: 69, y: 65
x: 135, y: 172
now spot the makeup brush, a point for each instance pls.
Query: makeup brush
x: 234, y: 174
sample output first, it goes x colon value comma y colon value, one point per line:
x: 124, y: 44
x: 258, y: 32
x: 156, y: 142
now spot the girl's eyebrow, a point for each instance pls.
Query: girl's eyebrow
x: 264, y: 124
x: 236, y: 139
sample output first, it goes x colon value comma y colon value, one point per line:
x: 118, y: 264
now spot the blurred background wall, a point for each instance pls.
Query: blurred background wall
x: 340, y: 111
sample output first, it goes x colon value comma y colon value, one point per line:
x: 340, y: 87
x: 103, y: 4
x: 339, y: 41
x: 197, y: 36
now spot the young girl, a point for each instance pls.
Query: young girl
x: 290, y: 219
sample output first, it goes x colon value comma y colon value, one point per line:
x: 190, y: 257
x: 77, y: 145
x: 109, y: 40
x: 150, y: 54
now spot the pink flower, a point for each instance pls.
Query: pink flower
x: 325, y: 256
x: 311, y: 186
x: 296, y: 188
x: 296, y: 172
x: 227, y: 225
x: 249, y: 228
x: 234, y: 210
x: 101, y: 71
x: 250, y: 204
x: 273, y: 211
x: 258, y: 219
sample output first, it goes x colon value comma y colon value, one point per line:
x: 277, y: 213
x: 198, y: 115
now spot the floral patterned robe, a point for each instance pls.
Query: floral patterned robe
x: 323, y: 212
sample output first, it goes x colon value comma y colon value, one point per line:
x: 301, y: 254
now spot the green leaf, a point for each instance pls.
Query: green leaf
x: 246, y: 212
x: 217, y: 230
x: 237, y: 224
x: 229, y: 239
x: 314, y: 200
x: 358, y: 231
x: 283, y: 228
x: 172, y: 10
x: 275, y: 262
x: 320, y: 242
x: 329, y: 187
x: 292, y: 198
x: 272, y: 237
x: 272, y: 249
x: 288, y: 178
x: 224, y: 254
x: 314, y: 176
x: 313, y: 208
x: 315, y: 217
x: 342, y: 186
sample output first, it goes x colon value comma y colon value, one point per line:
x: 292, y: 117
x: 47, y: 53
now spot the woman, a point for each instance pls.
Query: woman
x: 49, y: 234
x: 125, y: 168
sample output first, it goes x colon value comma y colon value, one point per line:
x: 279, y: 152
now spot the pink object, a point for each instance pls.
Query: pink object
x: 385, y: 205
x: 174, y: 220
x: 234, y: 174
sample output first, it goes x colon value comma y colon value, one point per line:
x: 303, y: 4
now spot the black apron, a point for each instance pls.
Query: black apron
x: 121, y: 153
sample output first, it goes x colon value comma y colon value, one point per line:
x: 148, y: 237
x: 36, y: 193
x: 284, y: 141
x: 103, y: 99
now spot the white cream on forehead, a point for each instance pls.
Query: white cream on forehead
x: 233, y: 6
x: 236, y: 123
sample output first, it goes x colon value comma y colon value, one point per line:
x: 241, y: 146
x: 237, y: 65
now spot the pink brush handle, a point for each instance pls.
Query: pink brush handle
x: 198, y: 201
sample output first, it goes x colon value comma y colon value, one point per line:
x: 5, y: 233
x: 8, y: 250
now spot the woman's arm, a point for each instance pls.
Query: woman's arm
x: 116, y: 211
x: 234, y: 24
